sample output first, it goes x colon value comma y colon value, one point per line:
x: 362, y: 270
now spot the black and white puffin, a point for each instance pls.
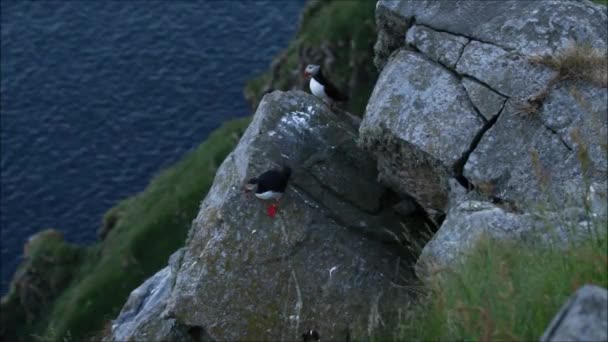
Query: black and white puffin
x: 270, y: 185
x: 311, y: 336
x: 322, y: 87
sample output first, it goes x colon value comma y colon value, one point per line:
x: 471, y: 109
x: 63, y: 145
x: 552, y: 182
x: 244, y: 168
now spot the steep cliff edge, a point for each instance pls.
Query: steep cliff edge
x: 468, y: 128
x: 64, y: 292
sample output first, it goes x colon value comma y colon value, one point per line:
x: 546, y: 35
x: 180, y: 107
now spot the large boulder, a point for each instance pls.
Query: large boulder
x: 420, y: 123
x: 463, y: 98
x: 139, y: 318
x: 584, y: 317
x: 331, y: 259
x: 470, y: 220
x: 523, y: 26
x: 463, y: 227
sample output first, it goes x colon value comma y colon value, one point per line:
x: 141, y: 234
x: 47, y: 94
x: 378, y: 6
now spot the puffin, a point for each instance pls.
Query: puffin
x: 322, y: 87
x: 270, y: 185
x: 310, y: 336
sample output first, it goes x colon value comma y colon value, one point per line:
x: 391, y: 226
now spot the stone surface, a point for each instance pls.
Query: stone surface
x: 464, y: 225
x: 584, y: 317
x: 391, y: 29
x: 488, y: 102
x: 505, y: 72
x: 519, y: 159
x: 471, y: 218
x: 578, y: 113
x: 142, y: 318
x: 419, y: 122
x: 527, y: 27
x: 441, y: 47
x: 328, y: 261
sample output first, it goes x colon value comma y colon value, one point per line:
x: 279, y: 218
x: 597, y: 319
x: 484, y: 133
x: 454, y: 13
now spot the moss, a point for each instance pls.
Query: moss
x: 346, y: 29
x: 147, y: 228
x: 49, y: 265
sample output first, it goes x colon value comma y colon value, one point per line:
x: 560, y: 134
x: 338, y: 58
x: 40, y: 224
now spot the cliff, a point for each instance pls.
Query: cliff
x: 487, y: 120
x: 470, y: 129
x: 64, y: 292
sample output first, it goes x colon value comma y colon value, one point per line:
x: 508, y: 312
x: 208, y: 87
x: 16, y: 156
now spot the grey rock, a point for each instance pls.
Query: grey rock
x: 597, y: 199
x: 419, y: 122
x: 578, y: 114
x: 142, y: 318
x: 519, y: 159
x: 505, y: 72
x: 527, y: 27
x: 488, y: 102
x: 584, y: 317
x: 328, y: 261
x: 391, y: 29
x: 464, y: 226
x: 441, y: 47
x: 471, y: 220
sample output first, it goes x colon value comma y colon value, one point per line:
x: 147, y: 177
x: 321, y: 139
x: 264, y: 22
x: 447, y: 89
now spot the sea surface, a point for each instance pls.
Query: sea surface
x: 98, y: 96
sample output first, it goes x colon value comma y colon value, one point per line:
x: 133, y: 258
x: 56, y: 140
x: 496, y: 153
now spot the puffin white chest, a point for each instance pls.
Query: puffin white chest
x: 268, y: 195
x: 317, y: 89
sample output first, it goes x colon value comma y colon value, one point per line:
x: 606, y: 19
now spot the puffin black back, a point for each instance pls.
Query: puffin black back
x: 274, y: 180
x: 330, y: 89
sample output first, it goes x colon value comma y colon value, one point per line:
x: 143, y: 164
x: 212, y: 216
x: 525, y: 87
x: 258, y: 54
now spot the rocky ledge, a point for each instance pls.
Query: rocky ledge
x: 467, y: 133
x: 463, y: 111
x: 333, y: 259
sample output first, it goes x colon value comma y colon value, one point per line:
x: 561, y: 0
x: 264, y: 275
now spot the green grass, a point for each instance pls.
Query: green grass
x: 504, y: 290
x: 147, y: 228
x: 347, y: 28
x: 48, y: 267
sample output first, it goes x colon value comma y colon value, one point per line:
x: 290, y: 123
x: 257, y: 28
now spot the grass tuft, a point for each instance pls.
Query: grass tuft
x: 578, y: 62
x: 504, y: 290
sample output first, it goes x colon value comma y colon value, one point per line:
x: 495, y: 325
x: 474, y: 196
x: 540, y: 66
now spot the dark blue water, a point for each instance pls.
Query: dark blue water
x: 97, y: 97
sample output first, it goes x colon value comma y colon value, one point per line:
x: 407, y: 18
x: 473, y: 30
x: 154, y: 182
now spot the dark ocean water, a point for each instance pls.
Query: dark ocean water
x: 98, y: 96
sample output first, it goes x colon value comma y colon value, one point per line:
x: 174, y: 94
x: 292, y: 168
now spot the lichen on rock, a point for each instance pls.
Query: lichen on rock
x: 329, y: 260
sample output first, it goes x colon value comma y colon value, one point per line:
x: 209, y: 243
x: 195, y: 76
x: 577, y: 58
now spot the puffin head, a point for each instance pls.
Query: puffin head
x: 251, y: 185
x: 311, y: 70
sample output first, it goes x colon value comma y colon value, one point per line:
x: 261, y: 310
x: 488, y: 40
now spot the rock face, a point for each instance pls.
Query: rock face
x: 461, y: 101
x: 584, y: 317
x: 328, y: 261
x: 420, y: 122
x: 139, y: 318
x: 464, y: 226
x: 462, y: 127
x: 528, y: 26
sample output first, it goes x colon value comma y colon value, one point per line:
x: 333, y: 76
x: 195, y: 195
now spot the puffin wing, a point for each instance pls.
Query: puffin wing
x: 273, y: 180
x: 334, y: 93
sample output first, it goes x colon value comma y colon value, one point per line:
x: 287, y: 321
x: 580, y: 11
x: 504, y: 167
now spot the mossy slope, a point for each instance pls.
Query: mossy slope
x: 145, y: 230
x: 339, y: 35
